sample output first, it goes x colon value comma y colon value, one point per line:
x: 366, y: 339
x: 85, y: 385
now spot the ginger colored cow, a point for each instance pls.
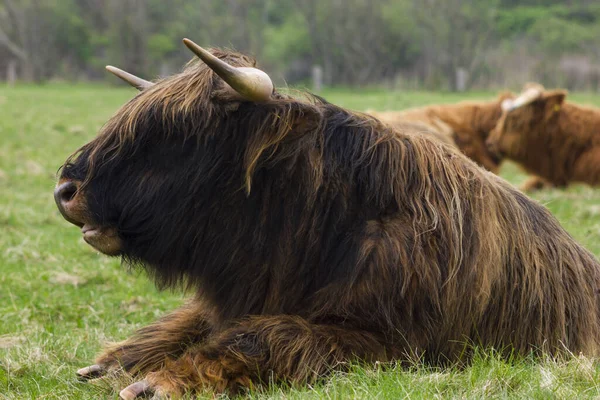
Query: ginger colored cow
x: 555, y: 140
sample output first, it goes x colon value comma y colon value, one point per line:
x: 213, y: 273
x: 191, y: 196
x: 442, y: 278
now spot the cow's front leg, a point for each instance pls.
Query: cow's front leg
x: 150, y: 347
x: 535, y: 183
x: 257, y: 350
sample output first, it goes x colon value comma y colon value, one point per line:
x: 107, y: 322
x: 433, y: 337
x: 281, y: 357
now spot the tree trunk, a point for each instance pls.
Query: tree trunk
x: 11, y: 72
x: 317, y: 78
x: 462, y: 77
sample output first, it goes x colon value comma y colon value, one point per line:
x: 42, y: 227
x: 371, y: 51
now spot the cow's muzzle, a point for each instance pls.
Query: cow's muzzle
x: 64, y: 195
x: 72, y: 205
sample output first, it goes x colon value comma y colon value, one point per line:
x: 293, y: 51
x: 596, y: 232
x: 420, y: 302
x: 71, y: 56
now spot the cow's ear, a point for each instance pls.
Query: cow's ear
x: 554, y: 100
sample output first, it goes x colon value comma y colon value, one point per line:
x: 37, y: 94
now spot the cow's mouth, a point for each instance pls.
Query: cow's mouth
x: 72, y: 205
x: 103, y: 239
x: 494, y: 151
x: 496, y: 156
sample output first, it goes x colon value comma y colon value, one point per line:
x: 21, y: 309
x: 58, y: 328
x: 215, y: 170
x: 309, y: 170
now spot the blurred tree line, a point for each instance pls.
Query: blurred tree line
x: 399, y: 43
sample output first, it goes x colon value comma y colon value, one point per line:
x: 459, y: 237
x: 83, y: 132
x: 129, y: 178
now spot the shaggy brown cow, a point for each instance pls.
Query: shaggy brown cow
x: 466, y: 124
x: 553, y: 139
x: 313, y: 236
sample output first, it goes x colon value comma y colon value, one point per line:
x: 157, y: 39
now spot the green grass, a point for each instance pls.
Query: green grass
x: 59, y: 299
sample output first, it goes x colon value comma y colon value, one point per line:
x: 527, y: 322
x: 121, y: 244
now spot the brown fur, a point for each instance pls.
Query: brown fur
x: 314, y: 236
x: 466, y: 124
x: 557, y: 140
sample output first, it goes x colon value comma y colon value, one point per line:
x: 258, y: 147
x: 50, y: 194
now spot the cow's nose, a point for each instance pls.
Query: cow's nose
x: 64, y: 195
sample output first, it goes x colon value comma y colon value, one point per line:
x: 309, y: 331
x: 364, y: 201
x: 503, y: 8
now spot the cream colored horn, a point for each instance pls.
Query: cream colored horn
x: 138, y: 83
x: 249, y: 83
x: 527, y: 97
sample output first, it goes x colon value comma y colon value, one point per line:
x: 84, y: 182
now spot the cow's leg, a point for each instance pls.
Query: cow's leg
x: 535, y: 183
x: 587, y: 167
x: 260, y: 349
x: 150, y: 347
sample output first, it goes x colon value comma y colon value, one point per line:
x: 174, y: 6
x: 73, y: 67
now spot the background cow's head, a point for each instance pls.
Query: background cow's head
x: 524, y: 119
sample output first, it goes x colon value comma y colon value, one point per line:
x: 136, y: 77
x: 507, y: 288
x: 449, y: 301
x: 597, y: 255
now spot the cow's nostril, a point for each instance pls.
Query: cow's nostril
x: 65, y: 193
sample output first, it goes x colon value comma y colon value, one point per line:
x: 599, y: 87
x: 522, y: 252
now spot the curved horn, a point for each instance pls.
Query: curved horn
x: 506, y: 104
x: 249, y: 83
x: 528, y: 96
x: 138, y: 83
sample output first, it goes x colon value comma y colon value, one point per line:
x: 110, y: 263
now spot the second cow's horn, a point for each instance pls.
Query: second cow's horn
x: 528, y: 96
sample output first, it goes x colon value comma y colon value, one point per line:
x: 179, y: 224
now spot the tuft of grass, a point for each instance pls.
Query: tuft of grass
x: 60, y: 300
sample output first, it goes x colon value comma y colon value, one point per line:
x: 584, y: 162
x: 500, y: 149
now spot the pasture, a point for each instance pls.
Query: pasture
x: 60, y: 299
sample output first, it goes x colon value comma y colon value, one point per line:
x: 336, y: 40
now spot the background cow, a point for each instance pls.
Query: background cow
x: 466, y: 124
x: 312, y: 236
x: 556, y: 140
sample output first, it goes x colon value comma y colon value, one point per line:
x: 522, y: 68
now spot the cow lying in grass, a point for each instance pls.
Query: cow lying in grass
x: 312, y: 237
x: 558, y: 141
x: 466, y: 124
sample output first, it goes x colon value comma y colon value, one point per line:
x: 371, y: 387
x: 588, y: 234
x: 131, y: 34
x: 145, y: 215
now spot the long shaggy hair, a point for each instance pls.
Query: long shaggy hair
x: 551, y: 138
x: 301, y: 209
x: 466, y: 125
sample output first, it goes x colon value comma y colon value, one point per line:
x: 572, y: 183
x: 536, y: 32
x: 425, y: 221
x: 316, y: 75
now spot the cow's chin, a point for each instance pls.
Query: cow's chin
x: 105, y: 240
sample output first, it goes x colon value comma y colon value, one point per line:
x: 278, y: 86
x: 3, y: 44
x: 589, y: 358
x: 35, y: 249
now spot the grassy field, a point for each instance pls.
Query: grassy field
x: 59, y: 299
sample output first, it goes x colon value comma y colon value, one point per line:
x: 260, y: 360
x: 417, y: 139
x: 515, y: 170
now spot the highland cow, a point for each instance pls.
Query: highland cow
x: 466, y: 125
x: 312, y: 237
x: 556, y: 140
